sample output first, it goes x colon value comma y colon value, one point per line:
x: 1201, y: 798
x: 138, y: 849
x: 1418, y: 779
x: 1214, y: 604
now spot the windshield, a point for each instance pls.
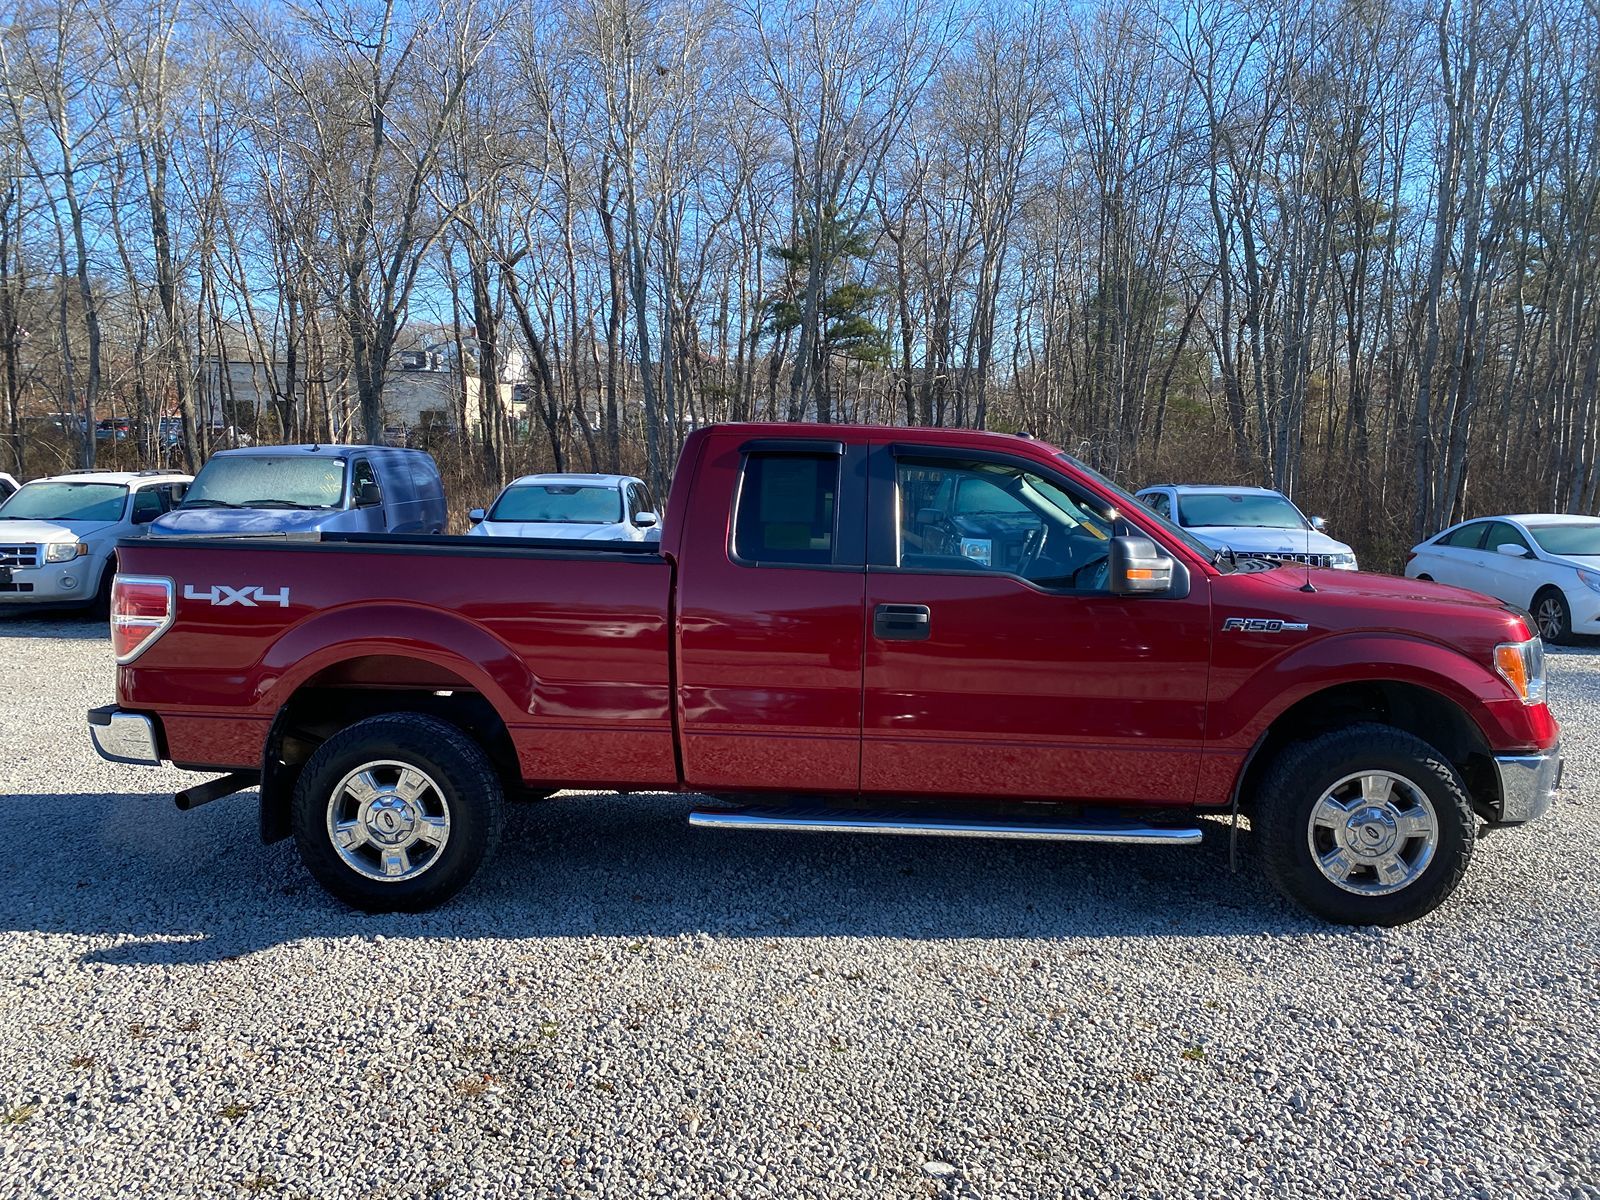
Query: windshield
x: 1249, y: 510
x: 1565, y: 538
x: 1146, y: 514
x: 45, y: 501
x: 267, y: 481
x: 559, y: 503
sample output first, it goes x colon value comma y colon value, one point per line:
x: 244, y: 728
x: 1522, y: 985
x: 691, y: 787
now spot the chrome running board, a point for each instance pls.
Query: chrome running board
x: 844, y: 821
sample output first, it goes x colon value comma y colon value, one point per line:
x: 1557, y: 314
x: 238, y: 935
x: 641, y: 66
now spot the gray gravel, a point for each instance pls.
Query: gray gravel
x: 624, y: 1006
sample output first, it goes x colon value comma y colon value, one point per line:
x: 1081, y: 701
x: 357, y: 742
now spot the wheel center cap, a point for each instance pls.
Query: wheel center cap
x: 390, y: 820
x: 1370, y: 832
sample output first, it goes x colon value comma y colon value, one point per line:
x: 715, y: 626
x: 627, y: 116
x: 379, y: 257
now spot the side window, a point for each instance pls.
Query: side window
x: 631, y: 501
x: 1161, y: 503
x: 361, y: 475
x: 788, y: 506
x: 1501, y: 534
x: 647, y: 502
x: 423, y: 476
x: 994, y: 517
x: 1468, y: 537
x: 147, y: 505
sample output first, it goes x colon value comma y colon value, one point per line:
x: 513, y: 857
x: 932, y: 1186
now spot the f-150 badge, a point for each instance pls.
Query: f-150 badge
x: 250, y: 595
x: 1262, y: 625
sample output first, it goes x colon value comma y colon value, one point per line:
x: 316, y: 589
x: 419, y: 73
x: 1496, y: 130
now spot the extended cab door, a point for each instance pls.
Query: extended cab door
x: 769, y: 616
x: 997, y: 662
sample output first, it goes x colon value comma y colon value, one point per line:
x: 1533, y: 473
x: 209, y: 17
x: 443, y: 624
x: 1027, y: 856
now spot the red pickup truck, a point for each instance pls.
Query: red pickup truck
x: 845, y: 629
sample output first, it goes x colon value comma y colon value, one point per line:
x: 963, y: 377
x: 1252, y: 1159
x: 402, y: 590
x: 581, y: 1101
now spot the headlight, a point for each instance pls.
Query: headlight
x: 1521, y: 664
x: 60, y: 552
x: 1346, y: 559
x: 1590, y: 580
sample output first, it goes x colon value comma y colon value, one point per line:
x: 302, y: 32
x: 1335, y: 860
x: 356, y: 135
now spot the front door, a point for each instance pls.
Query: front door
x: 997, y: 661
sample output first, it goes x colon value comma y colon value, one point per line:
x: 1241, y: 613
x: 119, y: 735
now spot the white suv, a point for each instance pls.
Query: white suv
x: 1251, y: 521
x: 58, y: 536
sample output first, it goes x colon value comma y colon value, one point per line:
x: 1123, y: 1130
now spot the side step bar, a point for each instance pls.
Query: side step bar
x: 825, y: 821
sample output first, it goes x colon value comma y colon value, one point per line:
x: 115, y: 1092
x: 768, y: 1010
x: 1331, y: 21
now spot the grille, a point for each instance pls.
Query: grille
x: 16, y: 587
x: 1311, y: 560
x: 19, y: 556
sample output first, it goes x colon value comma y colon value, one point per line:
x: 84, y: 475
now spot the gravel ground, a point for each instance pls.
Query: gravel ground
x: 624, y: 1006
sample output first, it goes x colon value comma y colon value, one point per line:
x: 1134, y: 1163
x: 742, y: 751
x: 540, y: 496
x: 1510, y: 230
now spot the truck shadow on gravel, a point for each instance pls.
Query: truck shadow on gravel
x: 171, y: 888
x: 57, y: 626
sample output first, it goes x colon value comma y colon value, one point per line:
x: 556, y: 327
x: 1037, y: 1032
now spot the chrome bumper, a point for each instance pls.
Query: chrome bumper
x: 123, y: 737
x: 1527, y: 784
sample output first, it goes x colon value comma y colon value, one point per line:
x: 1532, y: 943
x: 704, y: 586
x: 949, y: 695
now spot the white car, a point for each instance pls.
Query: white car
x: 1250, y: 521
x: 588, y: 508
x: 58, y: 536
x: 1547, y: 564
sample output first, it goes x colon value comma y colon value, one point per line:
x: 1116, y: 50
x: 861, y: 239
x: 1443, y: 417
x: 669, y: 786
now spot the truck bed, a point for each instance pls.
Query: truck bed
x: 568, y: 643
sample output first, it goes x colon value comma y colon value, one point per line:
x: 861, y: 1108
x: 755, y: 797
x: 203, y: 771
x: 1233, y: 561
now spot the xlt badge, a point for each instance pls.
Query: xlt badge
x: 1262, y: 625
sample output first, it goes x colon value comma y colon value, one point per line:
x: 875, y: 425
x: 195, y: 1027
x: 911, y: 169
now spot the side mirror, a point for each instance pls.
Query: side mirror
x: 1138, y: 567
x: 476, y: 516
x: 1512, y: 550
x: 1319, y: 523
x: 644, y: 520
x: 369, y: 495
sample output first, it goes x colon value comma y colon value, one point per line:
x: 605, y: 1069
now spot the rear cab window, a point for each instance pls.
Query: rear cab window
x: 788, y: 509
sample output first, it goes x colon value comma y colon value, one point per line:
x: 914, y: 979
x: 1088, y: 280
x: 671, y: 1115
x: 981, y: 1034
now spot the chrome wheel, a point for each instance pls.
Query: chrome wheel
x: 1373, y: 833
x: 388, y: 820
x: 1551, y: 617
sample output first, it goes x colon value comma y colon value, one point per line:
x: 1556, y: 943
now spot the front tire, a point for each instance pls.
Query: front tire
x: 1366, y: 825
x: 397, y: 812
x: 1552, y: 617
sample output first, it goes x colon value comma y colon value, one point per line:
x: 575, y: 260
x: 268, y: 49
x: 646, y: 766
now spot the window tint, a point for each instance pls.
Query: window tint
x: 994, y: 517
x: 1501, y: 534
x: 788, y: 506
x: 1468, y: 537
x: 1160, y: 502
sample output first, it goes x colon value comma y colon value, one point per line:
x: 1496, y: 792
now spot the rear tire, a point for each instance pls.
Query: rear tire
x: 397, y: 812
x: 1552, y: 616
x: 1366, y: 825
x: 100, y: 606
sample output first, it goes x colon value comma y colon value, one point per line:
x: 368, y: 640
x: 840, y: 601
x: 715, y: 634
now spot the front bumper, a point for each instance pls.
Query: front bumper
x: 50, y: 583
x: 1528, y: 783
x: 124, y: 737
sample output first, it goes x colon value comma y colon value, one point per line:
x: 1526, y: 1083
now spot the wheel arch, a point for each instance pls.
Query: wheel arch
x: 1411, y: 707
x: 354, y: 688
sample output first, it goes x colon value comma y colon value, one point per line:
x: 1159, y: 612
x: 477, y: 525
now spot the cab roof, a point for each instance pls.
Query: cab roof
x: 312, y: 448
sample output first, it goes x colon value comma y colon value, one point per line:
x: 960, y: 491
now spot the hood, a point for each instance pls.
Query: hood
x: 50, y: 531
x: 1578, y: 562
x: 223, y: 521
x: 1244, y: 539
x: 1349, y: 601
x: 555, y: 530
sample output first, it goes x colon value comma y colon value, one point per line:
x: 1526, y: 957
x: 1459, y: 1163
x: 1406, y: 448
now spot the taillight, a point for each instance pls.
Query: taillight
x: 1410, y: 554
x: 141, y: 610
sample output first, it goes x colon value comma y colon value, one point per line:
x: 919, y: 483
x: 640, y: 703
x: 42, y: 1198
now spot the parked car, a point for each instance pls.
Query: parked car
x: 1250, y: 521
x: 8, y: 484
x: 306, y: 489
x: 113, y: 429
x: 789, y: 639
x: 591, y: 508
x: 59, y: 535
x: 1545, y: 563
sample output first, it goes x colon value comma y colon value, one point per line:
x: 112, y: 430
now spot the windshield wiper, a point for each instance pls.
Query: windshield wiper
x: 205, y: 503
x: 277, y: 504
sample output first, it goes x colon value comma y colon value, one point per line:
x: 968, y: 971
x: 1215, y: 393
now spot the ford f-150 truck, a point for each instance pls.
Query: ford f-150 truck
x: 817, y: 644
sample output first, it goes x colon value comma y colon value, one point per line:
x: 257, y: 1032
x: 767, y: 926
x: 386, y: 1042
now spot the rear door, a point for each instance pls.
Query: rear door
x: 1458, y: 559
x: 770, y: 616
x: 1002, y: 665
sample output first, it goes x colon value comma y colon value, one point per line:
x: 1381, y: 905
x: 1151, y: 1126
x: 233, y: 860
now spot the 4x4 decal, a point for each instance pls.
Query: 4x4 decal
x: 250, y: 595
